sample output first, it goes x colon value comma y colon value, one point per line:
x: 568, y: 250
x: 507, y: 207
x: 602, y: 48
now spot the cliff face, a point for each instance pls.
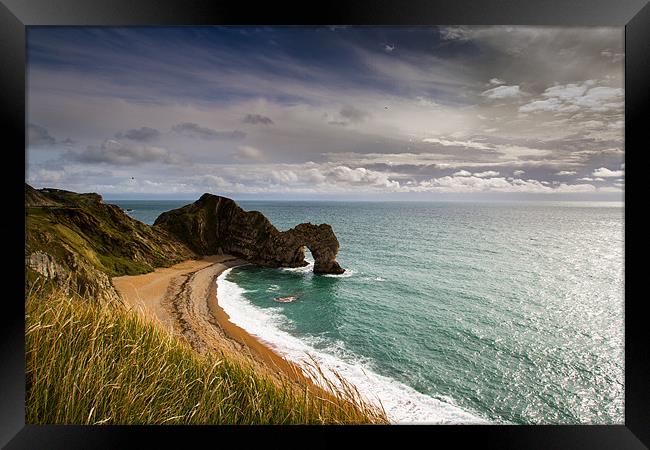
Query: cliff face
x: 78, y: 242
x: 215, y: 225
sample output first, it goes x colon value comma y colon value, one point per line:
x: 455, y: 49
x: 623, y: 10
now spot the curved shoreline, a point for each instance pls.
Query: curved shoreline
x: 183, y: 299
x: 401, y: 402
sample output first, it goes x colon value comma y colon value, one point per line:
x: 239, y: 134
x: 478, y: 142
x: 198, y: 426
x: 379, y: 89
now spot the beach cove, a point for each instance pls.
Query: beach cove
x: 182, y: 299
x: 426, y: 321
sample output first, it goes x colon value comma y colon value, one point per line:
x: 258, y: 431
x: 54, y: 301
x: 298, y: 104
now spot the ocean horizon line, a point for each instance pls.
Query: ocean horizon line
x: 338, y: 200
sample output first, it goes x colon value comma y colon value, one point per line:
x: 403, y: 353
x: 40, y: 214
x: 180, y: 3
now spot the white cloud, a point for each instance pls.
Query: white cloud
x: 303, y: 178
x: 284, y: 176
x: 566, y: 172
x: 362, y: 176
x: 465, y: 136
x: 214, y: 181
x: 576, y: 188
x: 467, y: 184
x: 567, y: 91
x: 551, y: 104
x: 422, y: 101
x: 500, y: 184
x: 601, y: 98
x: 614, y: 56
x: 501, y: 92
x: 585, y: 179
x: 606, y: 173
x: 486, y: 174
x: 573, y: 97
x: 592, y: 124
x: 455, y: 33
x: 307, y: 177
x: 507, y: 157
x: 611, y: 189
x: 48, y: 176
x: 446, y: 143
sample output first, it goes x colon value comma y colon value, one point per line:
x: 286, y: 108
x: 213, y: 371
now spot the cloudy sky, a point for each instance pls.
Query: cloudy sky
x: 327, y: 112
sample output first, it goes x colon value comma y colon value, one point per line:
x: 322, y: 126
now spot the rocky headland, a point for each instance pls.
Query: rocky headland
x: 215, y: 225
x: 80, y: 242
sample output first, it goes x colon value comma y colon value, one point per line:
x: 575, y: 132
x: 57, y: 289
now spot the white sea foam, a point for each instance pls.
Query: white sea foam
x: 402, y: 403
x: 309, y: 268
x: 347, y: 274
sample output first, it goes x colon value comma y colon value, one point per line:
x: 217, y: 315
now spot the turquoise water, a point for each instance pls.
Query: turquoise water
x: 452, y: 312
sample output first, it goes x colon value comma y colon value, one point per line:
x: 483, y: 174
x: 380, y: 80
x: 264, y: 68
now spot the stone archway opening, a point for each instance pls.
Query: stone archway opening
x: 321, y: 243
x: 217, y: 224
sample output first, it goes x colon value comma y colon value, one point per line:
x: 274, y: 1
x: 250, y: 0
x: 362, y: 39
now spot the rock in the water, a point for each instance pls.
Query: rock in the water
x: 215, y: 225
x: 321, y: 241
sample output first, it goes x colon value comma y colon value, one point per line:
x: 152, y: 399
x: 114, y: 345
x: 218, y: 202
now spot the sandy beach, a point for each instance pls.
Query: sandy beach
x: 183, y: 299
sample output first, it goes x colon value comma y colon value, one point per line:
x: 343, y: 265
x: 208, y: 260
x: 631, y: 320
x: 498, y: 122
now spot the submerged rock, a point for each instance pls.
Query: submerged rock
x: 288, y: 299
x: 216, y: 225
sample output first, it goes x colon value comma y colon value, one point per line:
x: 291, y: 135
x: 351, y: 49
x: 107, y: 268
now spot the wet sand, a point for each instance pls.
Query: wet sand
x: 183, y: 298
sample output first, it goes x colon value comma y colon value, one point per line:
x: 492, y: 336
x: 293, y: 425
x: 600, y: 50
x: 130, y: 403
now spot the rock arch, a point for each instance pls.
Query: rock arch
x: 321, y: 242
x: 214, y: 225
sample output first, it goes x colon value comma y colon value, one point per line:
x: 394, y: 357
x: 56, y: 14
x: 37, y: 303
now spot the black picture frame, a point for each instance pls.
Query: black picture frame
x: 15, y: 15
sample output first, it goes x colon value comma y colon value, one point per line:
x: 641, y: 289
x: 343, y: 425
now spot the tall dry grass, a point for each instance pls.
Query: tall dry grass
x: 101, y: 364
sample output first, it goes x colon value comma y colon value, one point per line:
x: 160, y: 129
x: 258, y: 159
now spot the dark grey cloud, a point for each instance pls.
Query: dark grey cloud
x: 257, y: 119
x: 526, y: 102
x: 121, y: 154
x: 140, y: 134
x: 347, y: 115
x: 353, y: 114
x: 38, y: 135
x: 195, y: 131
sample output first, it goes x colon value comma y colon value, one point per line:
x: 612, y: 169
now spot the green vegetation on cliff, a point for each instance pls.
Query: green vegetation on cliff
x: 79, y: 241
x: 89, y: 363
x: 95, y: 362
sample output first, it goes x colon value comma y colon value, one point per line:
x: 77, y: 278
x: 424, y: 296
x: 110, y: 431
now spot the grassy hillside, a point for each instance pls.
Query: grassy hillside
x: 78, y: 241
x: 89, y: 363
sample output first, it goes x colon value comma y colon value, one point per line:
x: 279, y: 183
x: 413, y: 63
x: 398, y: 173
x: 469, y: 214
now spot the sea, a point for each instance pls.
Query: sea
x: 450, y: 312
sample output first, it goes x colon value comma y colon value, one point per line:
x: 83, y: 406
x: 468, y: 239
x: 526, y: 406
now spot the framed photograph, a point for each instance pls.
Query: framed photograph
x: 391, y: 218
